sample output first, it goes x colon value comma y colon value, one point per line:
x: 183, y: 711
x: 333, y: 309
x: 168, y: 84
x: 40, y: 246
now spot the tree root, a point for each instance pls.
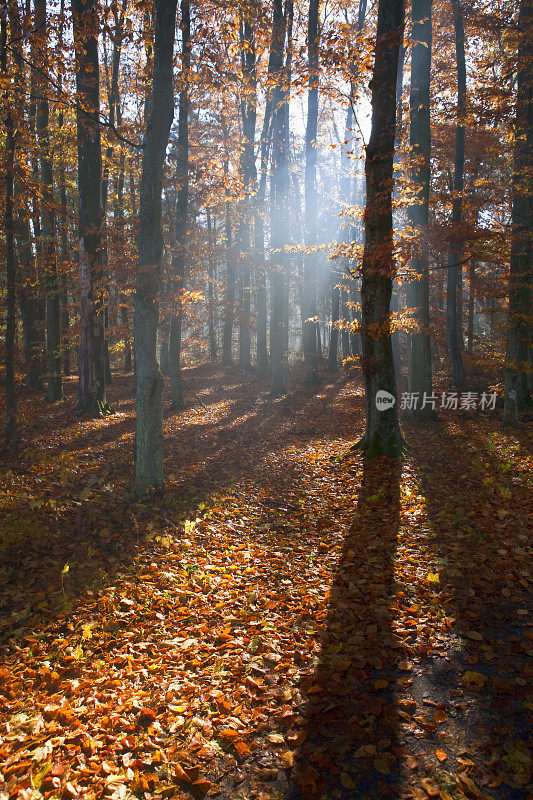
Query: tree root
x: 396, y: 447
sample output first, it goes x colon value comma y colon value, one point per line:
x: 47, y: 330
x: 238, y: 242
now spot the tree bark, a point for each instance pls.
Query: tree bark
x: 248, y: 180
x: 27, y: 279
x: 54, y: 385
x: 418, y: 343
x: 211, y: 277
x: 346, y: 231
x: 309, y: 333
x: 471, y: 300
x: 275, y: 64
x: 229, y: 306
x: 149, y: 381
x: 382, y: 433
x: 518, y: 349
x: 91, y: 362
x: 279, y: 180
x: 11, y: 434
x: 179, y: 259
x: 397, y: 216
x: 65, y: 256
x: 454, y: 254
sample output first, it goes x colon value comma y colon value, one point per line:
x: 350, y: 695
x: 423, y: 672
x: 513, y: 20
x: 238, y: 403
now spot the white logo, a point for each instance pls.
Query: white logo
x: 384, y: 400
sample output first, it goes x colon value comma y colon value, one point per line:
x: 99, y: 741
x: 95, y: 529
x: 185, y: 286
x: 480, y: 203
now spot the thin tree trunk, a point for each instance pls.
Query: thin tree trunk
x: 149, y: 381
x: 357, y: 236
x: 248, y: 178
x: 382, y: 433
x: 259, y: 240
x: 36, y: 214
x: 334, y: 337
x: 275, y: 62
x: 63, y: 223
x: 29, y: 309
x: 418, y: 346
x: 11, y: 434
x: 125, y: 316
x: 309, y: 333
x: 288, y: 260
x: 54, y: 386
x: 278, y: 201
x: 91, y: 362
x: 454, y: 255
x: 397, y: 217
x: 227, y: 333
x: 64, y: 249
x: 26, y: 267
x: 261, y: 293
x: 211, y: 277
x: 179, y: 260
x: 518, y: 350
x: 344, y: 234
x: 471, y: 296
x: 112, y: 99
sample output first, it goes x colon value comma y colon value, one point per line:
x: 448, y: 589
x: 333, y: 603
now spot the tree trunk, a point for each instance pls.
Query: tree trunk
x: 334, y: 338
x: 113, y: 103
x: 357, y: 236
x: 36, y: 209
x: 91, y: 362
x: 518, y: 350
x: 211, y: 277
x: 27, y: 275
x: 341, y: 273
x: 149, y: 381
x: 275, y: 62
x: 54, y: 386
x: 261, y: 292
x: 11, y: 272
x: 418, y: 344
x: 278, y: 201
x: 64, y: 249
x: 454, y: 255
x: 397, y: 217
x: 29, y: 308
x: 179, y: 260
x: 309, y: 333
x: 248, y: 179
x: 471, y: 297
x: 227, y: 333
x: 382, y: 433
x: 346, y: 232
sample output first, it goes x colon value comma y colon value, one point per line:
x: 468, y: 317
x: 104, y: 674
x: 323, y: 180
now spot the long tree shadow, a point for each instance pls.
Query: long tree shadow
x: 350, y: 726
x: 482, y: 551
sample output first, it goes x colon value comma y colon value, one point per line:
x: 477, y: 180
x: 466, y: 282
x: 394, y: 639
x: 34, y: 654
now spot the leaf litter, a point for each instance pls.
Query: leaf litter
x: 283, y: 622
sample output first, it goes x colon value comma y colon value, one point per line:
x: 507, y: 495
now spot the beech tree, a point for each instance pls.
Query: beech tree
x: 279, y: 192
x: 54, y: 388
x: 382, y: 433
x: 179, y: 260
x: 91, y: 362
x: 309, y: 333
x: 9, y: 233
x: 454, y: 282
x: 419, y: 351
x: 518, y: 366
x: 248, y: 178
x: 149, y: 381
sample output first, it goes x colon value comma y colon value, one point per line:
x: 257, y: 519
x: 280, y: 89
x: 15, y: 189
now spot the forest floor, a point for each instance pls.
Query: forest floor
x: 284, y: 622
